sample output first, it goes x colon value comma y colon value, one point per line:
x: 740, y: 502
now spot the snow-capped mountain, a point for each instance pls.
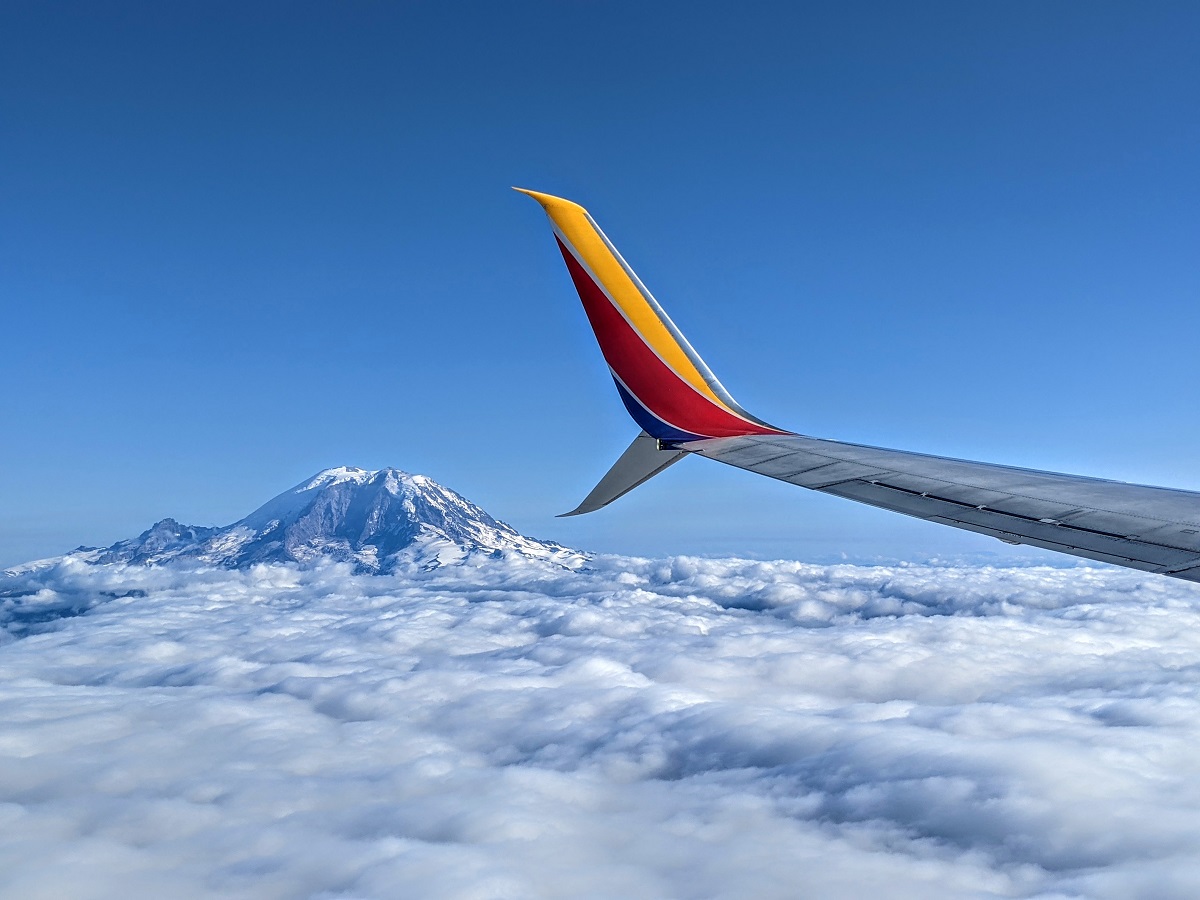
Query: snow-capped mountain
x: 377, y: 520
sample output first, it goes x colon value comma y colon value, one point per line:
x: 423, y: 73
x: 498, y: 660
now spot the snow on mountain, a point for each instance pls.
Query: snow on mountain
x: 378, y: 520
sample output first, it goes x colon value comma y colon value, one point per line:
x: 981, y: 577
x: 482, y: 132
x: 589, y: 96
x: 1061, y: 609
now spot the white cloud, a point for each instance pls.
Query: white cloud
x: 641, y: 728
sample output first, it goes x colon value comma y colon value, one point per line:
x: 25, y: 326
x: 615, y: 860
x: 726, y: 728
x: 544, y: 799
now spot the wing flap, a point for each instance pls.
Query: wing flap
x: 1024, y: 529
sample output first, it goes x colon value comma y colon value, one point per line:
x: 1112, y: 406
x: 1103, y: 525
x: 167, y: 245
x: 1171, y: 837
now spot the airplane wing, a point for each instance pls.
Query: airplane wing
x: 683, y: 409
x: 1133, y: 525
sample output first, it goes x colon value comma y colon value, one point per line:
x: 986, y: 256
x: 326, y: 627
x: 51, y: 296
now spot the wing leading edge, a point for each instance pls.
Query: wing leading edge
x: 683, y: 409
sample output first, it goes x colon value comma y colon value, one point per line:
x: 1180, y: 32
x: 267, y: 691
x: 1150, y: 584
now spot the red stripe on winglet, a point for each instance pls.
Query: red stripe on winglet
x: 651, y: 380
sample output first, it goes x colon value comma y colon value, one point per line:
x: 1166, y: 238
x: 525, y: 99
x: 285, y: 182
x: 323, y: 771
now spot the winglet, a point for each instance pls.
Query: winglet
x: 549, y: 201
x: 644, y: 459
x: 663, y: 382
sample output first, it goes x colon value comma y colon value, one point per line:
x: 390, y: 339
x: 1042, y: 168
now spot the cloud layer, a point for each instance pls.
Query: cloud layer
x: 635, y: 728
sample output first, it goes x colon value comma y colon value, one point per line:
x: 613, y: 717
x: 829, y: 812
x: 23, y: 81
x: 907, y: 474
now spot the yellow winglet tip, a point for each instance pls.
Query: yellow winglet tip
x: 549, y: 201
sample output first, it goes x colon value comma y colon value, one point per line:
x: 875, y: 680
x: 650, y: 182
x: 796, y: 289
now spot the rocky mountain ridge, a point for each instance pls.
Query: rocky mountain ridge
x: 377, y: 520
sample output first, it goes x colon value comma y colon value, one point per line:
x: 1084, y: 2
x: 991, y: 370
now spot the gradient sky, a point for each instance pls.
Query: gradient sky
x: 243, y: 242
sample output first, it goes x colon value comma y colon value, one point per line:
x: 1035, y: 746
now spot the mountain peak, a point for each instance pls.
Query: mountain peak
x: 339, y: 474
x: 379, y: 520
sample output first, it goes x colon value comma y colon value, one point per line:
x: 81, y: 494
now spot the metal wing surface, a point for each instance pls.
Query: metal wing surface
x: 1138, y: 526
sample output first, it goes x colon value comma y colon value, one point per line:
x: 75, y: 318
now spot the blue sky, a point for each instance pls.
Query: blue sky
x: 239, y: 244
